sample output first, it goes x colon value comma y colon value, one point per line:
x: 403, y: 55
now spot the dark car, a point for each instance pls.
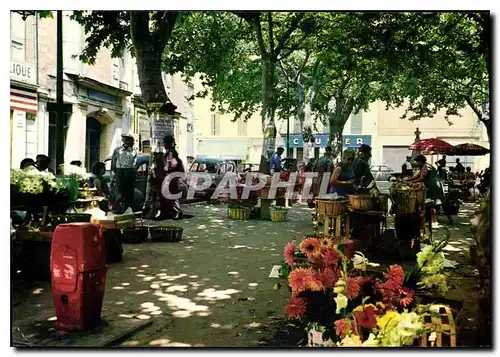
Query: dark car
x: 217, y: 168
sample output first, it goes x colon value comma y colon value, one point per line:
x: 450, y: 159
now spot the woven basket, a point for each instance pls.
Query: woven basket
x: 420, y: 193
x: 383, y: 203
x: 331, y: 207
x: 166, y: 234
x: 361, y: 202
x: 134, y: 235
x: 239, y: 213
x: 403, y: 201
x: 278, y: 215
x: 69, y: 218
x: 444, y: 331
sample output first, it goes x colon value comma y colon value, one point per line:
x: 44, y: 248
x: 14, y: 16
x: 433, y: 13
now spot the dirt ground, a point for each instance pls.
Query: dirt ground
x: 213, y: 288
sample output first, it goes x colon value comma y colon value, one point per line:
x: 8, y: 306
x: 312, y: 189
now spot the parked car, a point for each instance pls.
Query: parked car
x: 214, y: 166
x: 381, y: 172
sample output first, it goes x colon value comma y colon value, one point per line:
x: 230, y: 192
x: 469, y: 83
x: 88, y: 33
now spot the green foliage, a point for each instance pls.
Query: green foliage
x: 440, y: 61
x: 109, y: 29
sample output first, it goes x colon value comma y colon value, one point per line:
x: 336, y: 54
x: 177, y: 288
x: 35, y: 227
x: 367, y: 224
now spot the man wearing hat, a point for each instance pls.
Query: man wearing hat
x: 123, y: 164
x: 362, y: 172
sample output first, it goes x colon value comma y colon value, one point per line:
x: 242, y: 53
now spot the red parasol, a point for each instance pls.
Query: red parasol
x: 468, y: 149
x: 433, y: 146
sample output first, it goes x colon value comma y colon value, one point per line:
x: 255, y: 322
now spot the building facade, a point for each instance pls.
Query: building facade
x: 101, y: 102
x: 23, y: 88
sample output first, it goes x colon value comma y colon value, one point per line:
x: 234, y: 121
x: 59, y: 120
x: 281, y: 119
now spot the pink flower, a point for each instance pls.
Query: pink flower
x: 299, y: 279
x: 395, y: 277
x: 331, y: 257
x: 289, y: 251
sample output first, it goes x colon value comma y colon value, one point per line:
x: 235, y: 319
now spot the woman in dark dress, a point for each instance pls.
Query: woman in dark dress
x: 170, y: 207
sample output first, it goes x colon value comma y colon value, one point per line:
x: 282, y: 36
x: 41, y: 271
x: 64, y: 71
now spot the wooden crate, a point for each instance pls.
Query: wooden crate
x: 444, y: 330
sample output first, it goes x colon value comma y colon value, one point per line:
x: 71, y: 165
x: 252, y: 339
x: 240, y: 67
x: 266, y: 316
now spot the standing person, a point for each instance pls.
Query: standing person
x: 364, y: 176
x: 460, y: 169
x: 171, y: 208
x: 406, y: 168
x: 441, y: 167
x: 470, y: 180
x: 432, y: 181
x: 123, y: 164
x: 343, y: 176
x: 324, y: 164
x: 276, y: 165
x: 43, y: 163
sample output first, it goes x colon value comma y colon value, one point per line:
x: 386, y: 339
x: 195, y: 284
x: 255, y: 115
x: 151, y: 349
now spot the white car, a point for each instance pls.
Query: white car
x: 381, y: 172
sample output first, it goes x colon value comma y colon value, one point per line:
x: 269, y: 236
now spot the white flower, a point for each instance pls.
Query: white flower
x: 341, y: 301
x: 351, y: 341
x: 371, y: 341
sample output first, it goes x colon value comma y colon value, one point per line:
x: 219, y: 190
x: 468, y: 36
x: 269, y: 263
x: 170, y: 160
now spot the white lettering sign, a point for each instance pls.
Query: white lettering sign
x: 296, y: 141
x: 347, y: 141
x: 23, y: 72
x: 359, y: 141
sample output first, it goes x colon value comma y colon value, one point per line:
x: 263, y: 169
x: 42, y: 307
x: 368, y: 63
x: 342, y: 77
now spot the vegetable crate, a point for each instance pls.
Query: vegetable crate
x: 278, y: 215
x: 239, y: 213
x: 444, y: 331
x: 166, y: 234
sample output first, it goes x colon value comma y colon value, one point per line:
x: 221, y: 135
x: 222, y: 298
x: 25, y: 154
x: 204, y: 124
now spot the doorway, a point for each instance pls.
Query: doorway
x: 92, y: 141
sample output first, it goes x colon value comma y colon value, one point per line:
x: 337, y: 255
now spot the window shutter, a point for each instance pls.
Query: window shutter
x: 356, y: 124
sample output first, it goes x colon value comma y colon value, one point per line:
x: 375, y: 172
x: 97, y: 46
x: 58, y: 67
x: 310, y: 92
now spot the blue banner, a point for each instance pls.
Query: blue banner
x: 296, y: 140
x: 354, y: 141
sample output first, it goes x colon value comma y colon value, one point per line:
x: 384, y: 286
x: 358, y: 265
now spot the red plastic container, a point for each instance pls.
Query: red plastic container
x: 78, y: 271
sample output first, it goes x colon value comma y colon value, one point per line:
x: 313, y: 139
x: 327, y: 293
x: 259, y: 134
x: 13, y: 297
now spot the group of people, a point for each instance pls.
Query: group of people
x: 120, y: 197
x: 42, y: 163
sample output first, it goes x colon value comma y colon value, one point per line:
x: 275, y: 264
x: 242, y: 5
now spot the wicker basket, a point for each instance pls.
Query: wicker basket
x: 134, y: 235
x: 420, y: 193
x: 70, y: 218
x: 443, y: 326
x: 361, y: 202
x: 166, y: 234
x: 382, y: 203
x: 239, y: 213
x: 403, y: 201
x: 331, y: 207
x: 278, y: 215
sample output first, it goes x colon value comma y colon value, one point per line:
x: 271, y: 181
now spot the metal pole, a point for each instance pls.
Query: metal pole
x: 59, y: 93
x: 288, y: 137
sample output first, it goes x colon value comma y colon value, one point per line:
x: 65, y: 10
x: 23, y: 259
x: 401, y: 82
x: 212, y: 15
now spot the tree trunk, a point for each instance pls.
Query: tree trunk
x: 336, y: 120
x: 148, y: 50
x: 268, y: 111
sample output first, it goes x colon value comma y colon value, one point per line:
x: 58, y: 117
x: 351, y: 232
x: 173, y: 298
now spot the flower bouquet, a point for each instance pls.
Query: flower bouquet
x: 31, y: 187
x: 331, y: 288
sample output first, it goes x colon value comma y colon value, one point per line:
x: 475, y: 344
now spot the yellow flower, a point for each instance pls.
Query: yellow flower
x: 341, y: 301
x: 340, y: 286
x: 351, y: 341
x: 388, y: 321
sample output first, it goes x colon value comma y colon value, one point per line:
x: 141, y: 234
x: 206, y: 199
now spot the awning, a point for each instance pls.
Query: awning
x: 228, y: 149
x: 23, y: 100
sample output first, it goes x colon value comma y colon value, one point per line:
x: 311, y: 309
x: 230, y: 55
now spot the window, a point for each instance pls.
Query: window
x: 356, y: 124
x: 17, y: 37
x: 242, y: 127
x: 215, y: 125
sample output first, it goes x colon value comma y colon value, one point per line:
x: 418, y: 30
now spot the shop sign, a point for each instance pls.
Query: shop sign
x: 23, y: 72
x: 354, y: 141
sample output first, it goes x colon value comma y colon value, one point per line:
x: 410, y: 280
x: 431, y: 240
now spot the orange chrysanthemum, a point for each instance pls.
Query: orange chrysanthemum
x: 315, y: 284
x: 395, y: 277
x: 331, y: 257
x: 325, y: 243
x: 296, y: 308
x: 299, y: 279
x: 310, y: 247
x: 406, y: 296
x: 352, y: 288
x: 289, y: 250
x: 343, y: 327
x: 328, y: 277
